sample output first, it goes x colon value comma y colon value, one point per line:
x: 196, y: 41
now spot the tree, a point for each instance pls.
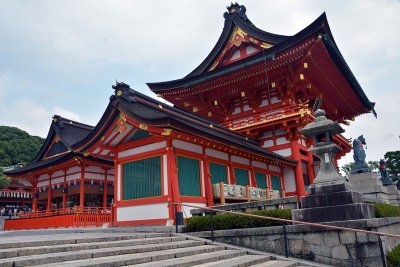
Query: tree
x: 17, y: 146
x: 346, y: 169
x: 4, y: 180
x: 392, y: 159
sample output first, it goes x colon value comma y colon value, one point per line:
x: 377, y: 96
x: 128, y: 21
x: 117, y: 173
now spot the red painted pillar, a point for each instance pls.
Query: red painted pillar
x: 35, y: 193
x: 253, y: 177
x: 173, y: 175
x: 64, y: 191
x: 105, y: 190
x: 49, y: 194
x: 232, y: 178
x: 82, y: 188
x: 207, y: 180
x: 298, y: 172
x: 310, y: 167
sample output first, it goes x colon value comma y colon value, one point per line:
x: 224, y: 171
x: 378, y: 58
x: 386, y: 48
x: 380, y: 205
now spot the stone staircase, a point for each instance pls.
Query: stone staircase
x: 126, y: 249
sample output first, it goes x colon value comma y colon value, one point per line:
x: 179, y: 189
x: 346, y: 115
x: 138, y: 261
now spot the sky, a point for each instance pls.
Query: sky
x: 62, y: 57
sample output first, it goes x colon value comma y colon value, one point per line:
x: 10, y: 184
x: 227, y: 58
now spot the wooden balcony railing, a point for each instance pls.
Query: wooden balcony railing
x: 61, y: 218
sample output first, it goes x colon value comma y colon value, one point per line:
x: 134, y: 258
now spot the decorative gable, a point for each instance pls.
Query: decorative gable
x: 239, y: 46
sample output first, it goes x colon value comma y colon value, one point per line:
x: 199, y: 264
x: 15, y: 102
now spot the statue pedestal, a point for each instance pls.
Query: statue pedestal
x: 370, y: 186
x: 393, y: 194
x: 335, y: 202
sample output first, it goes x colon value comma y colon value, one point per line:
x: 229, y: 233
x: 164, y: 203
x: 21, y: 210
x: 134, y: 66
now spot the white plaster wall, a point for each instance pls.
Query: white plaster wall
x: 94, y: 169
x: 187, y: 146
x: 281, y: 140
x: 165, y: 174
x: 279, y: 132
x: 240, y: 160
x: 119, y: 182
x: 57, y: 180
x: 95, y: 176
x: 73, y: 176
x: 258, y: 164
x: 216, y: 154
x: 268, y: 143
x: 203, y: 190
x: 25, y: 182
x: 74, y: 169
x: 186, y: 210
x: 284, y: 152
x: 42, y: 183
x: 58, y: 173
x: 290, y: 182
x: 43, y: 177
x: 274, y: 168
x: 143, y: 212
x: 141, y: 149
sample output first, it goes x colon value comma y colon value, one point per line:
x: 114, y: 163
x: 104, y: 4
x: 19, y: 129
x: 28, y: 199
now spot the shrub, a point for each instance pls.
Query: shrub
x: 235, y: 221
x: 386, y: 210
x: 393, y: 257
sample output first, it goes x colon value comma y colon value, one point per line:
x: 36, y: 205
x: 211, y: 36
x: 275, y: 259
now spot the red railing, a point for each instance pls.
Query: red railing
x: 61, y: 218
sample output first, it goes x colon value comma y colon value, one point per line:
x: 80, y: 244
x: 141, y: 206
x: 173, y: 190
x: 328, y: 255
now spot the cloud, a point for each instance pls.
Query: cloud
x: 32, y: 117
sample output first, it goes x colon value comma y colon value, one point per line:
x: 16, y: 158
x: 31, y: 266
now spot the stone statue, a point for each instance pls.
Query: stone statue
x: 360, y: 165
x: 384, y: 174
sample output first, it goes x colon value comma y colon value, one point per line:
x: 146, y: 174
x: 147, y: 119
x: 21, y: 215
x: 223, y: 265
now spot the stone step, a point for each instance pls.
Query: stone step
x: 277, y: 263
x: 94, y: 253
x: 138, y: 258
x: 194, y: 259
x: 26, y: 251
x: 241, y: 261
x: 88, y: 238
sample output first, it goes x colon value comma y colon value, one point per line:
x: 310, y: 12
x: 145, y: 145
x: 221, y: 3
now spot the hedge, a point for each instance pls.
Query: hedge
x: 393, y: 257
x: 234, y: 221
x: 386, y: 210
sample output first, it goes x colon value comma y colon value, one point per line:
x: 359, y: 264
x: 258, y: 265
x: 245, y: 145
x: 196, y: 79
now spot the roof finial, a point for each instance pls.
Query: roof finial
x: 236, y: 8
x: 121, y: 89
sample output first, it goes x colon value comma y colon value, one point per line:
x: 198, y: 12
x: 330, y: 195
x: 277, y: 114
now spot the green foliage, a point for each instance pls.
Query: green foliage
x: 393, y: 164
x: 234, y: 221
x: 17, y: 146
x: 3, y: 180
x: 393, y: 257
x: 386, y: 210
x: 346, y: 168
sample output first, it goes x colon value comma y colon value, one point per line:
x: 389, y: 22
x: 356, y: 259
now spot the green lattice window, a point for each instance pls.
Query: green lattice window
x: 218, y: 173
x: 276, y: 183
x: 242, y: 176
x: 261, y: 180
x: 142, y: 178
x: 188, y: 176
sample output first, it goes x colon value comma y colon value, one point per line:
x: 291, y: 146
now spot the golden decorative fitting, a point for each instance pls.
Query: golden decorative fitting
x: 242, y: 94
x: 211, y: 126
x: 121, y: 124
x: 143, y: 126
x: 301, y: 76
x: 102, y: 138
x: 273, y: 84
x: 160, y: 106
x: 305, y: 65
x: 209, y: 114
x: 166, y: 131
x: 195, y: 109
x: 119, y: 93
x: 215, y: 103
x: 186, y: 104
x: 86, y: 153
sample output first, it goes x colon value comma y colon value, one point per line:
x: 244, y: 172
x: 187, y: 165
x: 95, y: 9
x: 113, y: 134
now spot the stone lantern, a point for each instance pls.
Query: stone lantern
x: 332, y: 197
x: 321, y: 131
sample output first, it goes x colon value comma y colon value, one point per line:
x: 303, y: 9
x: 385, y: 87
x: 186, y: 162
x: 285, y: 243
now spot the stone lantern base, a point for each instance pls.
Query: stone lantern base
x: 335, y: 202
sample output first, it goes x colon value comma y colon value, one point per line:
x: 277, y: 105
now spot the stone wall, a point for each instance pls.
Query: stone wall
x: 338, y: 248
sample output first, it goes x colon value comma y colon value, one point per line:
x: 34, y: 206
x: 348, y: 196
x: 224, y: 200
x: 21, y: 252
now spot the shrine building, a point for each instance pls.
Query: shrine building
x: 267, y: 86
x: 231, y: 136
x: 60, y: 178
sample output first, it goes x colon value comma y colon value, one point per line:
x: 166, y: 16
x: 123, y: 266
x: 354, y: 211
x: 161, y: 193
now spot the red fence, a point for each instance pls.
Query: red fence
x: 74, y: 217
